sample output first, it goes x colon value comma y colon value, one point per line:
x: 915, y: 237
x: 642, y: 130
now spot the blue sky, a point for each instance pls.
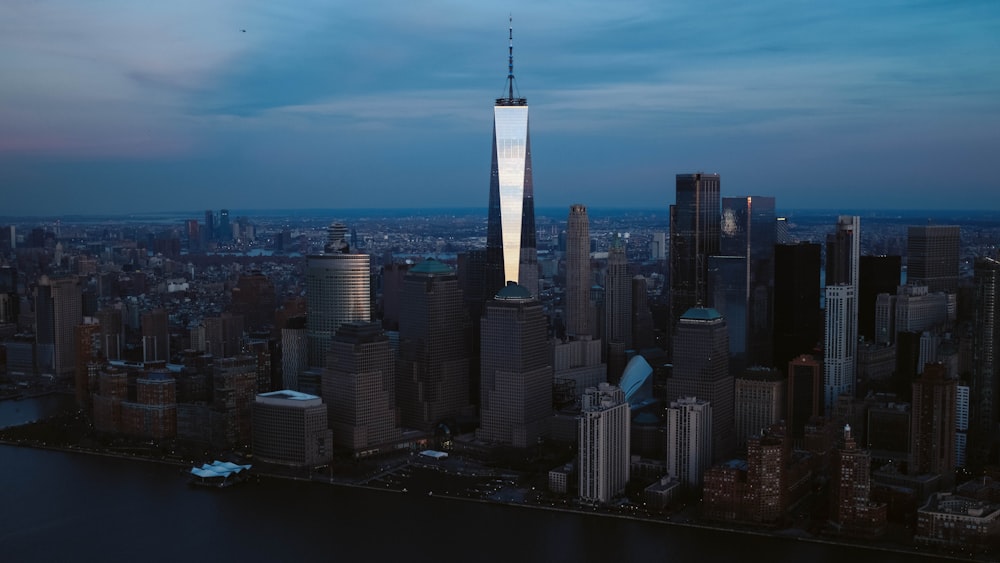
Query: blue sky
x: 115, y: 106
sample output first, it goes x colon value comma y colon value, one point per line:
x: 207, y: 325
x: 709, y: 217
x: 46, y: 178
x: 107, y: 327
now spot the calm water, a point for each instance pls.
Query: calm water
x: 57, y: 506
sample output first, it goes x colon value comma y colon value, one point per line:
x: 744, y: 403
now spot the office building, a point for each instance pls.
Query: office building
x: 932, y: 255
x: 155, y: 336
x: 255, y: 299
x: 747, y: 231
x: 223, y: 335
x: 694, y: 236
x: 798, y: 320
x: 58, y: 310
x: 290, y: 428
x: 579, y: 310
x: 617, y: 309
x: 689, y: 440
x: 701, y: 369
x: 759, y: 402
x: 510, y: 239
x: 852, y: 512
x: 294, y: 351
x: 359, y: 389
x: 877, y: 274
x: 604, y: 440
x: 338, y: 287
x: 843, y: 252
x: 88, y: 360
x: 516, y: 373
x: 933, y: 417
x: 234, y: 386
x: 984, y: 384
x: 153, y: 415
x: 805, y: 394
x: 432, y: 372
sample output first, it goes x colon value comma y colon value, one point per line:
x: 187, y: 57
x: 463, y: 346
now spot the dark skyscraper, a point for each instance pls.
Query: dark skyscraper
x: 798, y: 320
x: 225, y: 233
x: 510, y: 239
x: 432, y: 373
x: 747, y: 232
x: 209, y: 225
x: 579, y: 311
x: 879, y: 274
x: 694, y: 236
x: 983, y: 387
x: 932, y: 253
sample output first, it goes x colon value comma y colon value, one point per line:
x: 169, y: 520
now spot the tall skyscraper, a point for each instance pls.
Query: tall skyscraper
x: 932, y: 433
x: 432, y: 372
x: 209, y: 233
x: 985, y: 380
x: 747, y: 231
x: 579, y: 311
x: 932, y: 255
x: 58, y: 309
x: 617, y: 309
x: 759, y: 402
x: 604, y: 440
x: 878, y: 274
x: 694, y: 236
x: 797, y: 315
x: 701, y: 369
x: 510, y: 240
x: 852, y: 511
x: 516, y: 387
x: 338, y: 286
x: 843, y: 252
x: 225, y: 233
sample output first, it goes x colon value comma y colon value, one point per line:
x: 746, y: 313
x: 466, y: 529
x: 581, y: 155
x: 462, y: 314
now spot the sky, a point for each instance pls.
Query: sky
x: 117, y: 106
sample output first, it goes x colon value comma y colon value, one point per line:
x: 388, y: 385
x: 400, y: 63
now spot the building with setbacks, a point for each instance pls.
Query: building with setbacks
x: 290, y: 428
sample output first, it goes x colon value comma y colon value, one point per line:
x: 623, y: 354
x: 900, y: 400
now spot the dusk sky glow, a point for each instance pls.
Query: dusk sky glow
x: 110, y: 106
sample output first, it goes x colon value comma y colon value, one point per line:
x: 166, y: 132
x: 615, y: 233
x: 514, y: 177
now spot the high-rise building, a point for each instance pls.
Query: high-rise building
x: 852, y: 511
x: 843, y: 252
x: 694, y: 236
x: 579, y: 311
x: 984, y: 385
x: 88, y: 353
x: 58, y: 310
x: 209, y: 232
x: 153, y: 415
x: 234, y: 386
x: 747, y: 231
x: 932, y: 254
x: 224, y: 335
x: 510, y: 240
x: 617, y: 309
x: 290, y: 428
x: 432, y: 372
x: 604, y: 444
x: 338, y: 286
x: 701, y: 369
x: 805, y: 399
x: 254, y: 298
x: 878, y: 274
x: 932, y: 449
x: 294, y: 351
x: 225, y: 231
x: 689, y: 439
x: 516, y: 387
x: 642, y: 316
x: 359, y: 388
x: 798, y: 320
x: 155, y: 336
x: 759, y: 402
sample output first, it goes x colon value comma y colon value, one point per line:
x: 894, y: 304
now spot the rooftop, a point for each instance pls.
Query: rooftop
x: 701, y: 314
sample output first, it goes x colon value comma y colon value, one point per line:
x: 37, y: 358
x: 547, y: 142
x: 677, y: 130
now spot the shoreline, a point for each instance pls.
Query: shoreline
x: 914, y: 551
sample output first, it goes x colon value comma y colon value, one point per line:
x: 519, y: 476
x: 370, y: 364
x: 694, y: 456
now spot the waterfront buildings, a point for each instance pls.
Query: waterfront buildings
x: 290, y: 428
x: 689, y: 440
x: 510, y: 244
x: 359, y: 389
x: 954, y: 521
x: 604, y: 440
x: 516, y: 386
x: 153, y: 415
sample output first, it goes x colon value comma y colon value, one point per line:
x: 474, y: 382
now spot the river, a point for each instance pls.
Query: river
x: 62, y: 506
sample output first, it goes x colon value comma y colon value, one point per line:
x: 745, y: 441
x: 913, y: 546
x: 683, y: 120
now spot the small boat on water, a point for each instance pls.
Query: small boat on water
x: 219, y: 474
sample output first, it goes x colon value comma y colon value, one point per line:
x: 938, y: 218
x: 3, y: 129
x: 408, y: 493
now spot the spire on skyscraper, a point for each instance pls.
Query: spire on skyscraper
x: 510, y: 100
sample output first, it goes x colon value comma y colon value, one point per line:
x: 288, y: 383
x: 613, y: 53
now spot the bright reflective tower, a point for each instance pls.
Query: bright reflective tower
x: 510, y: 243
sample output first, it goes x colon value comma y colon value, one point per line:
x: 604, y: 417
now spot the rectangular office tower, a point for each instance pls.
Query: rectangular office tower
x: 290, y: 428
x: 798, y: 320
x: 604, y: 437
x: 984, y: 385
x: 694, y: 236
x: 511, y: 249
x: 747, y: 237
x: 932, y: 254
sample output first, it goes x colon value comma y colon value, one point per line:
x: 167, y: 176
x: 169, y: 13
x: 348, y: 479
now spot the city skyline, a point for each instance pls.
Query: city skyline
x: 129, y: 109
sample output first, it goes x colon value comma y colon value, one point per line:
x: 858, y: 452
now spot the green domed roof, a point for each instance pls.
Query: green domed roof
x: 702, y: 314
x: 431, y: 266
x: 514, y: 291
